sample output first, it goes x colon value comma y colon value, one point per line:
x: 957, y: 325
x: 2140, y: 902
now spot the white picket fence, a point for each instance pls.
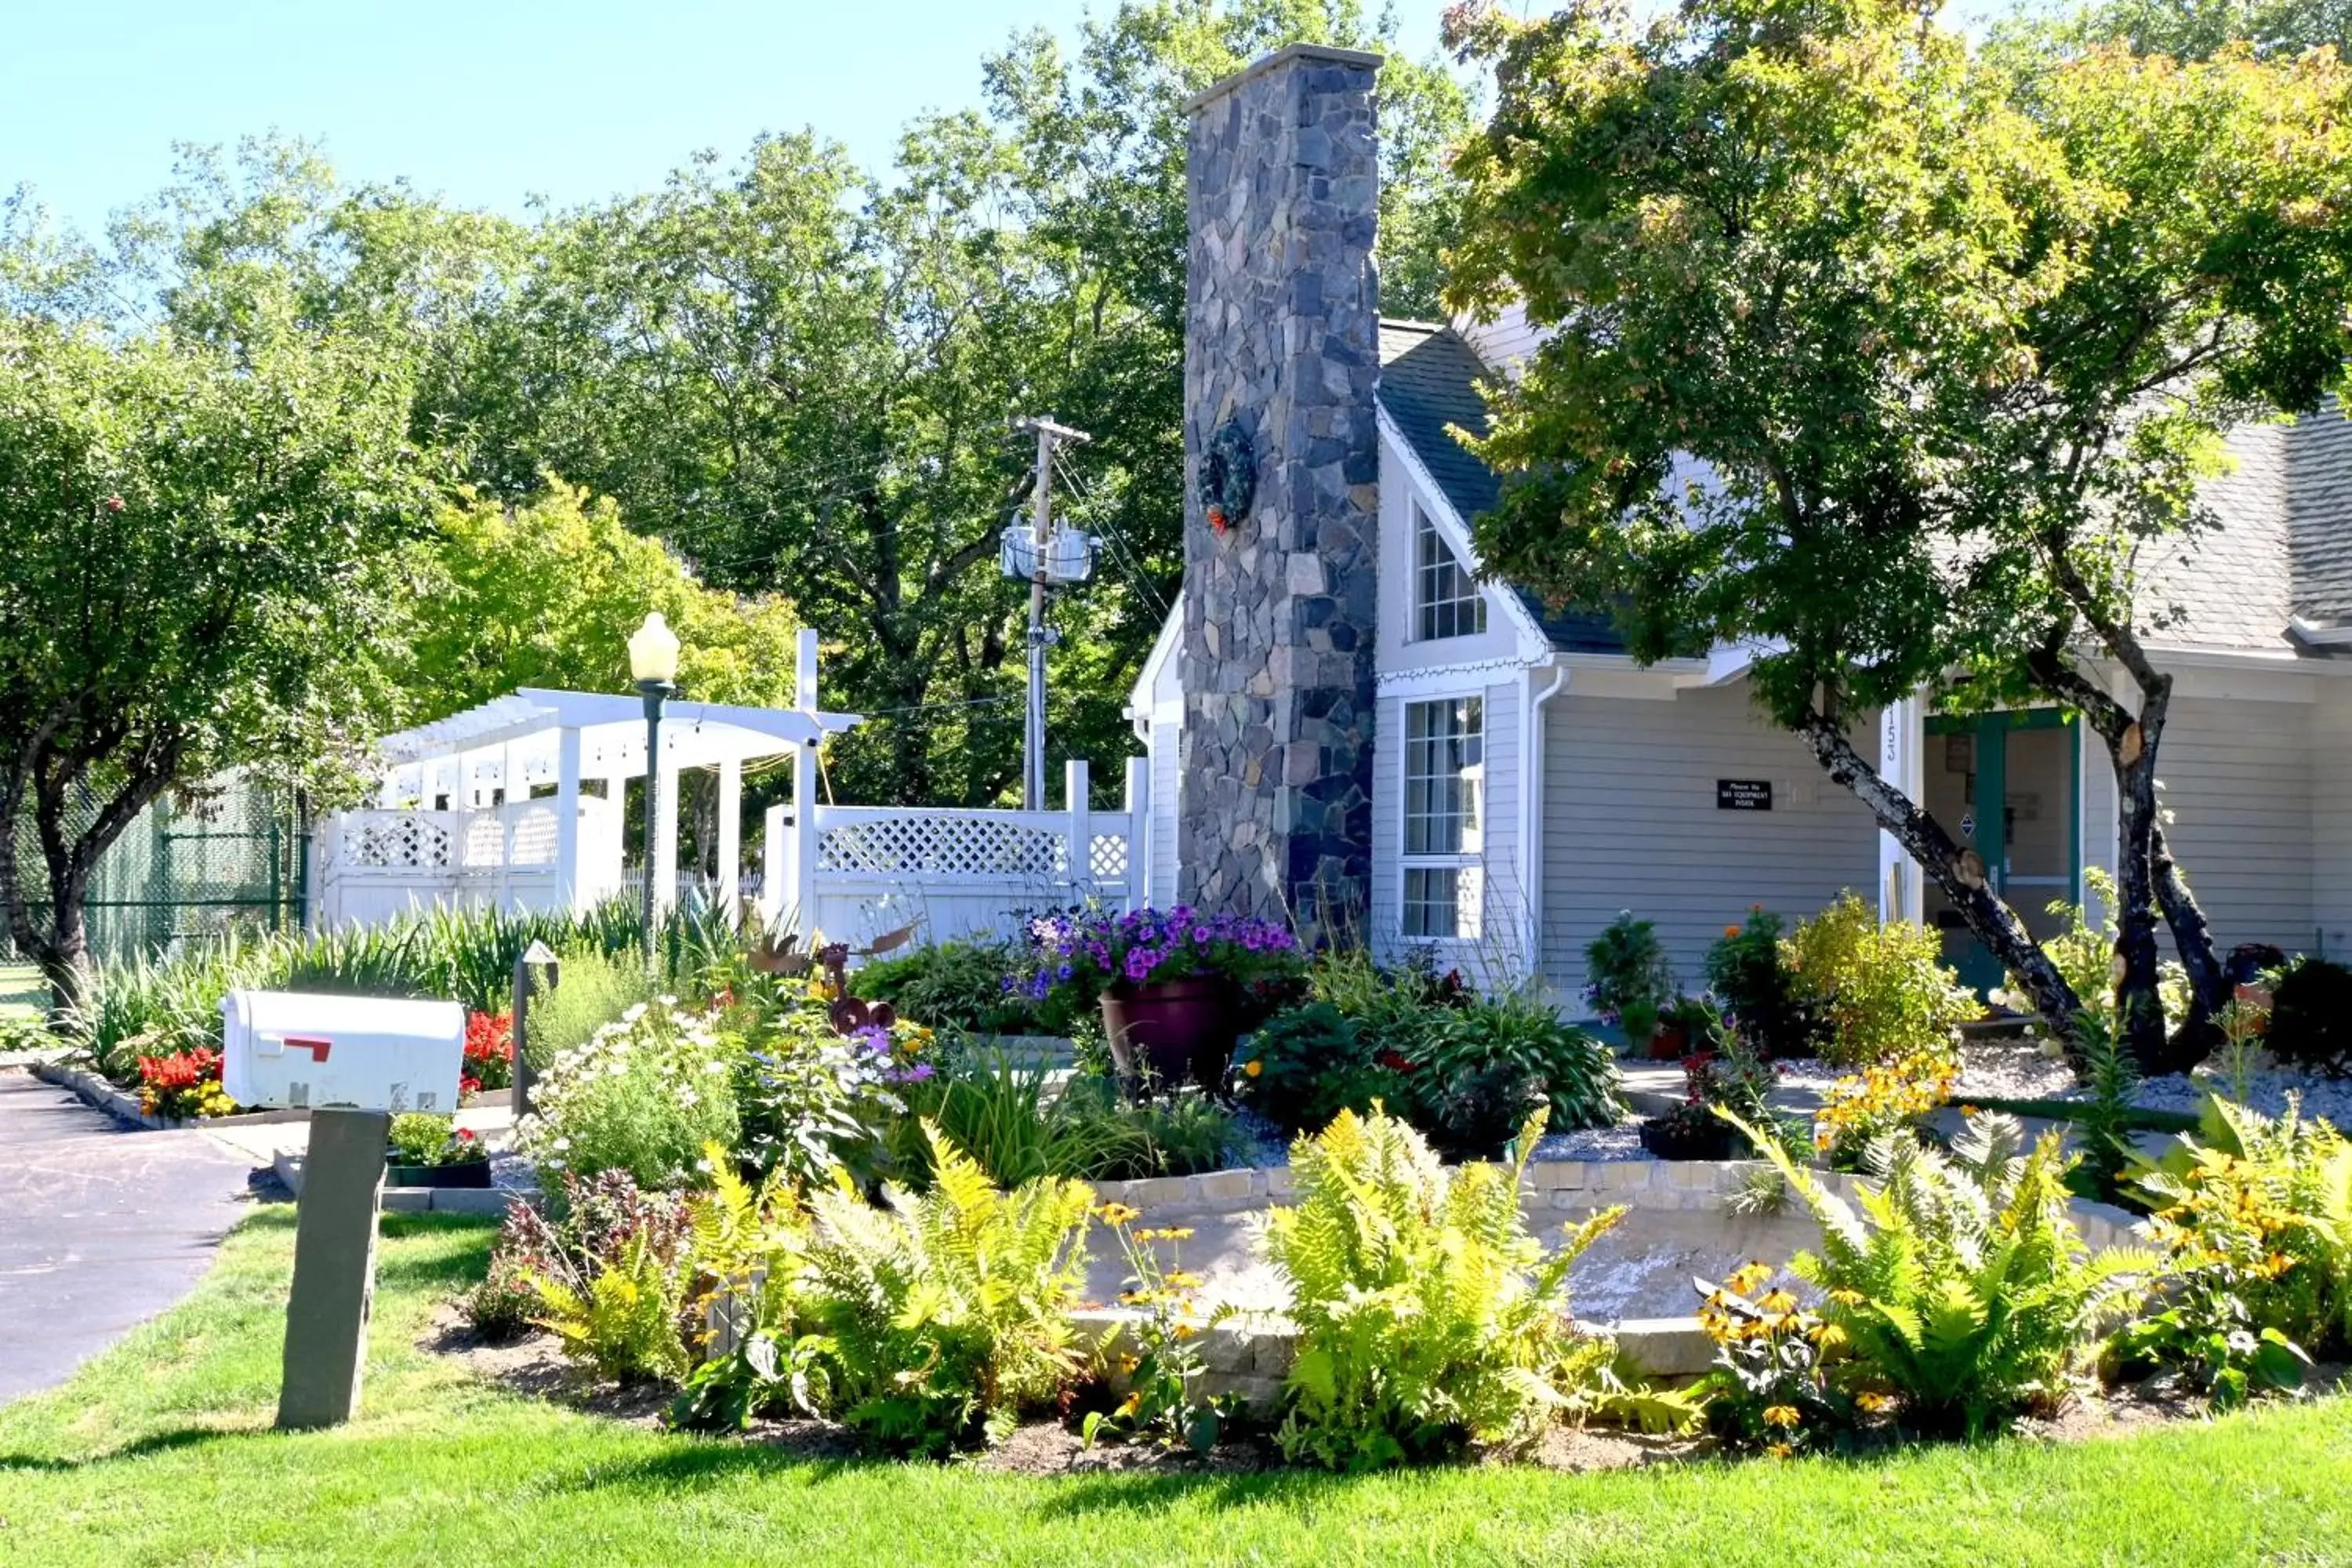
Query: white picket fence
x: 860, y: 870
x: 370, y: 866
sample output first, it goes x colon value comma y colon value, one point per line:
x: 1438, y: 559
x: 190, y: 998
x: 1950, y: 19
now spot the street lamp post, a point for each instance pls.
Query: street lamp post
x: 653, y: 665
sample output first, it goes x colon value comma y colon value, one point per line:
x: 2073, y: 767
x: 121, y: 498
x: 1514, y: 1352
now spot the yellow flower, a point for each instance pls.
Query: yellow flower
x: 1178, y: 1233
x: 1133, y: 1402
x: 1781, y: 1415
x: 1780, y: 1451
x: 1874, y: 1403
x: 1778, y: 1301
x: 1252, y: 1068
x: 1118, y: 1214
x: 1749, y: 1277
x: 1182, y: 1280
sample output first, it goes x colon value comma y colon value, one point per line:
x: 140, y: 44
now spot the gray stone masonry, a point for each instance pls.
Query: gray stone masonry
x: 1282, y: 338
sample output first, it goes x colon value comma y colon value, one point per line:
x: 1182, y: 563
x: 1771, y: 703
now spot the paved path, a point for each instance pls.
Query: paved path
x: 101, y: 1226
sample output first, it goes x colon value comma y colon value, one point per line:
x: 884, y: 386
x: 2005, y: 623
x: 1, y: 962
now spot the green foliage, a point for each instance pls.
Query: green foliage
x: 810, y: 1096
x: 1748, y: 973
x: 1009, y: 1117
x: 1627, y: 978
x: 1303, y: 1067
x: 1164, y: 1371
x: 594, y: 989
x: 419, y: 1138
x: 1962, y: 1287
x: 1881, y: 990
x: 2196, y: 29
x: 1964, y: 433
x: 749, y: 1245
x: 1428, y: 1316
x: 961, y: 985
x: 2104, y: 1122
x: 1770, y: 1387
x: 1517, y: 1036
x: 643, y: 1095
x: 2254, y: 1215
x: 2311, y: 1016
x: 936, y: 1318
x: 611, y: 1272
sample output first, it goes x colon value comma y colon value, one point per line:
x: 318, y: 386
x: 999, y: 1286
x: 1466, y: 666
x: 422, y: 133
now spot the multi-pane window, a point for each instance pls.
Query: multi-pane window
x: 1444, y: 775
x: 1446, y: 602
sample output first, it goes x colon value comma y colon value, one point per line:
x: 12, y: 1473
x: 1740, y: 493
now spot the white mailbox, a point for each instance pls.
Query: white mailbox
x: 282, y: 1048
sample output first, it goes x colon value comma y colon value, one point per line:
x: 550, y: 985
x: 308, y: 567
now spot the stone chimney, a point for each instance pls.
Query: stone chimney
x: 1281, y: 503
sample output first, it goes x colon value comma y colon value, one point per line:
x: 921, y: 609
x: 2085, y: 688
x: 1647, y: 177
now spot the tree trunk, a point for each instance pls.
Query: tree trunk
x: 65, y: 960
x: 2209, y: 990
x: 1960, y: 873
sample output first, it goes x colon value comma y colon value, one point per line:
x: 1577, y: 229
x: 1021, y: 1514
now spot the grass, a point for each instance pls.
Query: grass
x: 158, y: 1452
x: 23, y: 994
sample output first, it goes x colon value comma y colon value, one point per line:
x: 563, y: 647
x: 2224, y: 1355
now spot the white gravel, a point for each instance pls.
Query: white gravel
x: 1622, y: 1141
x: 2036, y: 1072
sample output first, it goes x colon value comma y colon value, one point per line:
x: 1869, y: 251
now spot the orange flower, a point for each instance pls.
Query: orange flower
x: 1252, y: 1069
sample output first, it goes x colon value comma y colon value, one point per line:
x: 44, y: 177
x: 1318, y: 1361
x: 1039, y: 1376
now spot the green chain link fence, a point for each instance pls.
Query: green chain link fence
x: 229, y: 853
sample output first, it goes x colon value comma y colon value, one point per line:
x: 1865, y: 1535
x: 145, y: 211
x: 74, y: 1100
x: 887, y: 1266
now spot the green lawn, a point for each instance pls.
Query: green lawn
x: 158, y: 1453
x: 23, y: 993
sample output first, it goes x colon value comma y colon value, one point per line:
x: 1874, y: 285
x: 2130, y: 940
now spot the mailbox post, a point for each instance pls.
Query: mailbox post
x: 355, y: 1062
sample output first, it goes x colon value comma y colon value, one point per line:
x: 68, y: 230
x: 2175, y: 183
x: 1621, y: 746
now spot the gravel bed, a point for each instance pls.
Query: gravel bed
x: 1622, y: 1141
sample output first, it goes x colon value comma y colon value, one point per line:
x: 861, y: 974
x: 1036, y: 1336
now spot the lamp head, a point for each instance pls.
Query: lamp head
x: 653, y: 652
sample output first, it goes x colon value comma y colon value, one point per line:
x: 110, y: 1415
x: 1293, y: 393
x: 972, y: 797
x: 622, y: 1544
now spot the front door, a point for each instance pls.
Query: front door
x: 2005, y: 785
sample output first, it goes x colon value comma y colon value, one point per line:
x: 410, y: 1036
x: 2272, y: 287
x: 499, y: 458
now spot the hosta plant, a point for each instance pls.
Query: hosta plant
x: 939, y: 1318
x: 1958, y: 1282
x: 1427, y: 1314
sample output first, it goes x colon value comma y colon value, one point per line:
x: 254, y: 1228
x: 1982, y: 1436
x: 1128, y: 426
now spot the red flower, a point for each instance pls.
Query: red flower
x: 1394, y: 1061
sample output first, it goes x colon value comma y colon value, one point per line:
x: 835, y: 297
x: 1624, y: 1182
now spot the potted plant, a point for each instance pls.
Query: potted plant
x: 1176, y: 988
x: 1629, y: 981
x: 1692, y: 1130
x: 428, y: 1152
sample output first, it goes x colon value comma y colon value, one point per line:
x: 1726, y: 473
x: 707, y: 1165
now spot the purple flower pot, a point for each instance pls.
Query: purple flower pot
x: 1180, y: 1031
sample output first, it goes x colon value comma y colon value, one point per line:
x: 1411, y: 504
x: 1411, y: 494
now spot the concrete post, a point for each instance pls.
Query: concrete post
x: 334, y: 1269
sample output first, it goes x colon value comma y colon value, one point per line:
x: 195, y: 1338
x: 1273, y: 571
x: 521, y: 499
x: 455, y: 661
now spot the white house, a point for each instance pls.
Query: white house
x: 1526, y: 779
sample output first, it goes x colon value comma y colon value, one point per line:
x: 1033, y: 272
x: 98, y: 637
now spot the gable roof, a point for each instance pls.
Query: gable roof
x: 1429, y: 383
x: 2283, y: 550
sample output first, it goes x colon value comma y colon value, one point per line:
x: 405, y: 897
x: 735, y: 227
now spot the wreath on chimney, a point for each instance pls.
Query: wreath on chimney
x: 1228, y: 477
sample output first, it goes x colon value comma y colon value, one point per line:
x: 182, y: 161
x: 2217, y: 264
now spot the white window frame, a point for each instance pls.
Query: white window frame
x: 1468, y: 606
x: 1465, y: 861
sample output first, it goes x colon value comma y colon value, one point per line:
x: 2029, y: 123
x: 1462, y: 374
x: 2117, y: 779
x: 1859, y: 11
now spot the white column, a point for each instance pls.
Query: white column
x: 567, y: 820
x: 802, y: 902
x: 512, y: 787
x: 730, y: 832
x: 1075, y: 822
x: 664, y: 870
x: 1902, y: 746
x: 1138, y: 832
x: 777, y: 862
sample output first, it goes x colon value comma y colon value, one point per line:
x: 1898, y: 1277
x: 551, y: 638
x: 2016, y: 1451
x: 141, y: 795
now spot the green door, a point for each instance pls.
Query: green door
x: 2006, y: 786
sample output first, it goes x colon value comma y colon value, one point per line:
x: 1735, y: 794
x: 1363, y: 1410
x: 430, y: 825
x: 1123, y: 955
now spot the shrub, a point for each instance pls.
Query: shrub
x: 1883, y: 990
x: 503, y: 1305
x: 1885, y: 1099
x: 420, y: 1138
x: 611, y: 1275
x: 813, y: 1095
x: 2311, y: 1016
x: 1304, y: 1066
x: 1749, y: 975
x: 1016, y: 1125
x: 1427, y: 1314
x: 962, y: 985
x: 1628, y: 977
x: 644, y: 1095
x: 2254, y: 1216
x: 1568, y: 1070
x: 1962, y: 1288
x: 937, y: 1318
x: 749, y: 1249
x: 594, y: 989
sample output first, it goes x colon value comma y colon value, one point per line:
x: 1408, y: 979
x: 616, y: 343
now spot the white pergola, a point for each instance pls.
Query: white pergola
x: 498, y: 751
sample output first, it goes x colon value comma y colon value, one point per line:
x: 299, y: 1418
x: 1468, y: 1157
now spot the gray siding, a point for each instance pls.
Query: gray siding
x: 1630, y: 822
x: 2236, y: 778
x: 2331, y: 817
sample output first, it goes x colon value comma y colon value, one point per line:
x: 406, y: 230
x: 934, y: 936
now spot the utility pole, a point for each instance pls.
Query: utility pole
x: 1041, y: 535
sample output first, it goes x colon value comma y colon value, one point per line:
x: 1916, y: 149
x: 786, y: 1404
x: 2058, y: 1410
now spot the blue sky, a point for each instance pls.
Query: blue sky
x: 484, y: 101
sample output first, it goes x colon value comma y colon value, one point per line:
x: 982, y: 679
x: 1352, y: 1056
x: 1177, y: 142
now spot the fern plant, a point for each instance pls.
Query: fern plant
x: 1427, y: 1314
x: 750, y: 1251
x: 937, y: 1317
x: 622, y: 1318
x: 1961, y: 1286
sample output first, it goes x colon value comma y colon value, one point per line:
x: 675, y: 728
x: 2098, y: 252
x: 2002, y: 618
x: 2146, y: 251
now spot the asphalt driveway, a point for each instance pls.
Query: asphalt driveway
x: 101, y: 1226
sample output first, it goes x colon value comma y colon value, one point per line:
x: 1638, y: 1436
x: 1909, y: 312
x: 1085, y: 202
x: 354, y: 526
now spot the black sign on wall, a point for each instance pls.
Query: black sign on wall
x: 1743, y: 795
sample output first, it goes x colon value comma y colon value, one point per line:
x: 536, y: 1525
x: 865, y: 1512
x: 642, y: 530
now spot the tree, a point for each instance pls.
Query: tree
x: 1953, y: 340
x: 546, y: 594
x: 197, y: 562
x: 2197, y: 29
